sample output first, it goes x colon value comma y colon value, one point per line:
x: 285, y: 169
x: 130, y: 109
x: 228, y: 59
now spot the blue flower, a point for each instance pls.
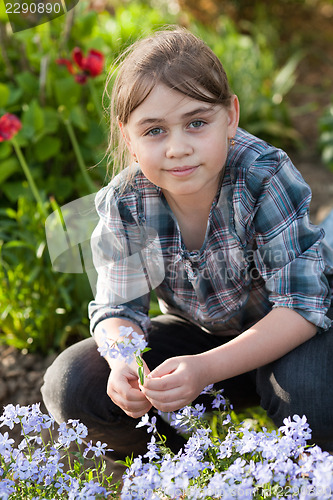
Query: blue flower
x: 218, y: 401
x: 5, y: 443
x: 152, y: 450
x: 150, y: 423
x: 98, y: 449
x: 130, y: 346
x: 208, y: 389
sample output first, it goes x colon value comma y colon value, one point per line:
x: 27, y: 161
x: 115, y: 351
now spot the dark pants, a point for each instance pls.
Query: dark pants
x: 299, y: 383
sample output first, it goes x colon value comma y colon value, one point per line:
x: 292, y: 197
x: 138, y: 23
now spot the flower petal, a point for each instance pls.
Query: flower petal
x: 78, y: 58
x: 94, y: 62
x: 9, y: 126
x: 67, y: 63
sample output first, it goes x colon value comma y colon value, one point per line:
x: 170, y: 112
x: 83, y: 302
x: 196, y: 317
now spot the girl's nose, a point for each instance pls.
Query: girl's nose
x: 178, y: 146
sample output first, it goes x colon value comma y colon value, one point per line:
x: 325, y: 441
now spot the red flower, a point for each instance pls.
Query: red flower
x: 92, y: 65
x: 9, y: 126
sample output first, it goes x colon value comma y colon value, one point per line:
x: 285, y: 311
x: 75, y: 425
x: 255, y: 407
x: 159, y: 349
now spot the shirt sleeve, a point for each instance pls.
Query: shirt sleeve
x: 122, y: 288
x: 288, y: 250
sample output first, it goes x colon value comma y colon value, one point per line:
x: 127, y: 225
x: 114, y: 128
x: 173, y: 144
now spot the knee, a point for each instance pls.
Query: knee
x: 299, y: 383
x: 66, y: 381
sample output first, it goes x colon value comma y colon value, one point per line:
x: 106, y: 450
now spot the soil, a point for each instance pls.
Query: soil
x: 21, y: 376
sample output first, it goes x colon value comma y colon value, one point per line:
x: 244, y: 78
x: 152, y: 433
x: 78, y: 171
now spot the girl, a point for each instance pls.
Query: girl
x: 217, y: 221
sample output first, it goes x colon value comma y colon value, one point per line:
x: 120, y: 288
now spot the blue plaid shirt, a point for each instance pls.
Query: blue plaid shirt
x: 260, y: 250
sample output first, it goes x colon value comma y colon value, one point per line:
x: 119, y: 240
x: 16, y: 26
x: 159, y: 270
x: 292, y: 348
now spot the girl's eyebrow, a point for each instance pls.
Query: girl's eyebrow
x: 189, y: 114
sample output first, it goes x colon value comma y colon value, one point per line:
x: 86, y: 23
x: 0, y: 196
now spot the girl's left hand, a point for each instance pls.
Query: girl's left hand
x: 175, y: 383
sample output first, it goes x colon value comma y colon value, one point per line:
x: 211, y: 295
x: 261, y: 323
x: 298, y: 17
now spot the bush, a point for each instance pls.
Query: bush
x: 40, y: 310
x: 326, y: 136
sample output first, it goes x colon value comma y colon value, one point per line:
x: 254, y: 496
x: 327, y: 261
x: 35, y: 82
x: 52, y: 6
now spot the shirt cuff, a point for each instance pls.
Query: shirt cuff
x: 104, y: 312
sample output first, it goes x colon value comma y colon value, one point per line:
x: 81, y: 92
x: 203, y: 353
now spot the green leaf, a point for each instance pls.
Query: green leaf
x: 3, y: 14
x: 4, y: 95
x: 79, y: 118
x: 46, y: 148
x: 14, y: 96
x: 14, y: 190
x: 146, y: 349
x: 139, y: 360
x: 51, y: 120
x: 8, y: 167
x: 286, y: 77
x: 5, y: 150
x: 141, y: 375
x: 19, y: 244
x: 32, y: 120
x: 67, y: 91
x: 28, y: 83
x: 61, y: 187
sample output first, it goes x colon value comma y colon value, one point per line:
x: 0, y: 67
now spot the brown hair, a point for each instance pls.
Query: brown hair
x: 174, y: 57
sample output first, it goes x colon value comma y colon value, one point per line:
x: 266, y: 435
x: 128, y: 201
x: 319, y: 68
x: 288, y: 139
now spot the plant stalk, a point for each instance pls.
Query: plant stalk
x: 96, y: 101
x: 91, y: 186
x: 29, y: 177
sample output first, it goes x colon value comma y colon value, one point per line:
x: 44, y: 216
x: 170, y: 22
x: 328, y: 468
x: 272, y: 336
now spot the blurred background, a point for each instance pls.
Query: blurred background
x: 54, y: 130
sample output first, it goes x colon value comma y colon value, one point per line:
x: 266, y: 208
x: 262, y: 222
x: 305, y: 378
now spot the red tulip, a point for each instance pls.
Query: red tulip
x: 92, y: 65
x: 9, y: 126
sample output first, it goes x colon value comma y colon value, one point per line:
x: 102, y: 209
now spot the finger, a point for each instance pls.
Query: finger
x: 131, y: 407
x: 168, y: 366
x: 164, y: 383
x: 169, y: 396
x: 139, y: 413
x: 170, y: 406
x: 126, y: 392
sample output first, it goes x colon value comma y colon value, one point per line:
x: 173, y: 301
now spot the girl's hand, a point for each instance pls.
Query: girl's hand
x: 175, y: 383
x: 123, y: 388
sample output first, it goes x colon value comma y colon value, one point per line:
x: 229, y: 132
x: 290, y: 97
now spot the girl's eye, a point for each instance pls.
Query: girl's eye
x: 154, y: 131
x: 197, y: 124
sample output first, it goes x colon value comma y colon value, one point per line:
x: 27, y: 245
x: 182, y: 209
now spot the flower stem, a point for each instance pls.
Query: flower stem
x: 29, y: 177
x: 96, y: 100
x: 91, y: 186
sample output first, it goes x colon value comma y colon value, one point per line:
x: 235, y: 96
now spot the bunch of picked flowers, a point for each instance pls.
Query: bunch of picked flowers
x: 129, y: 347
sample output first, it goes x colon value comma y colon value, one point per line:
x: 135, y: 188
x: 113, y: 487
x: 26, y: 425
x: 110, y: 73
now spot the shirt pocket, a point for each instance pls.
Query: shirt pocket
x: 227, y: 270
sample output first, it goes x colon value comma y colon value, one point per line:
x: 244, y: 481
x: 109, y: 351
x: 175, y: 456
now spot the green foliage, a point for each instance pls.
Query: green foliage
x: 326, y: 136
x: 40, y: 310
x: 256, y: 78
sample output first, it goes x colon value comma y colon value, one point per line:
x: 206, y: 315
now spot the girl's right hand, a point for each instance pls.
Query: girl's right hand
x: 123, y: 388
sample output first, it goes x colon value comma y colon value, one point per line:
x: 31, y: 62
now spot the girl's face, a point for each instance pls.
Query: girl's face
x: 180, y: 143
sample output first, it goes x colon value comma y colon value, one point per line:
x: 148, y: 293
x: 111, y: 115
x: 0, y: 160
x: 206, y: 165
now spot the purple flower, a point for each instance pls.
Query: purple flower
x: 150, y: 423
x: 7, y: 488
x: 130, y: 346
x: 208, y: 389
x: 298, y: 429
x: 218, y: 401
x: 152, y: 450
x: 5, y: 443
x: 98, y: 449
x: 67, y: 435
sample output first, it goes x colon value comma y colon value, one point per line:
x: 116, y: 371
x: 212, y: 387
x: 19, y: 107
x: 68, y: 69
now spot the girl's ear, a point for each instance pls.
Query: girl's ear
x: 127, y: 140
x: 124, y: 134
x: 233, y: 116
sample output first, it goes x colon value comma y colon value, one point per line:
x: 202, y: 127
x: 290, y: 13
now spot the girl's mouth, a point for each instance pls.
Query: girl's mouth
x: 182, y: 171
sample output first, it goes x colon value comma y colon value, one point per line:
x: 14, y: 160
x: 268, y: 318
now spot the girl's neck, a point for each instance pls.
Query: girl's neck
x: 193, y: 204
x: 192, y: 217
